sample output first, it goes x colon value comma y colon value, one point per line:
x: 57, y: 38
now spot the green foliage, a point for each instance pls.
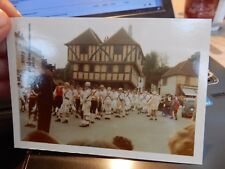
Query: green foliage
x: 153, y: 69
x: 68, y: 72
x: 195, y: 58
x: 64, y: 74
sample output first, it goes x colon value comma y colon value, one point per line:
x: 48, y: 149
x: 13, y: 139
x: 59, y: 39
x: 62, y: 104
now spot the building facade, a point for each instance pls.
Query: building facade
x: 28, y: 61
x: 181, y: 79
x: 116, y: 62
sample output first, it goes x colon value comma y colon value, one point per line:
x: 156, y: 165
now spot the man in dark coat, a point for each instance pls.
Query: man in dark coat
x: 45, y: 86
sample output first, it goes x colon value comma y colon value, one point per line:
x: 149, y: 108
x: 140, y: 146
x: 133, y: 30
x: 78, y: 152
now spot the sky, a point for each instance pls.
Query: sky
x: 177, y: 39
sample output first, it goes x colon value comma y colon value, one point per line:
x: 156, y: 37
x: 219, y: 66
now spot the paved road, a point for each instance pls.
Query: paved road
x: 146, y: 135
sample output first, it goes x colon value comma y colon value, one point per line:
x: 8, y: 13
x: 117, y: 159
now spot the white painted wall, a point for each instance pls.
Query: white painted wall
x: 170, y: 87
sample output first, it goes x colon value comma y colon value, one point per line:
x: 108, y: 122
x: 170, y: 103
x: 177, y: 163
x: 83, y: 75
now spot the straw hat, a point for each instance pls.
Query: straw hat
x: 66, y: 84
x: 87, y: 84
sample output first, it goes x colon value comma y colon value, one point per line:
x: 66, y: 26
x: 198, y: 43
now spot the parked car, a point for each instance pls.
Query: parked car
x: 188, y: 107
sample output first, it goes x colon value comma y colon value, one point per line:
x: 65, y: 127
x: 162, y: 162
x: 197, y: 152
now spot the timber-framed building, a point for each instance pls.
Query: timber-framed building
x: 116, y: 62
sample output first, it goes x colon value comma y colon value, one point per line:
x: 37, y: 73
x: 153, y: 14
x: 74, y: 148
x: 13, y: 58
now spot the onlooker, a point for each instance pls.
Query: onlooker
x: 58, y: 98
x: 44, y: 86
x: 174, y: 107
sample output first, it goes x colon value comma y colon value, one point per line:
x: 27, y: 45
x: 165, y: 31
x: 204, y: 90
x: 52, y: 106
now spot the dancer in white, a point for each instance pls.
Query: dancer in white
x: 86, y: 104
x: 77, y: 97
x: 114, y: 96
x: 140, y: 102
x: 64, y: 112
x: 132, y: 101
x: 127, y: 102
x: 108, y: 103
x: 136, y: 100
x: 120, y: 104
x: 145, y: 98
x: 153, y: 105
x: 94, y: 105
x: 101, y: 96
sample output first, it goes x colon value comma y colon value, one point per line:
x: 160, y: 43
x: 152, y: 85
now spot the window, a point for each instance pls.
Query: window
x: 85, y: 75
x: 103, y: 76
x: 127, y: 77
x: 92, y: 68
x: 118, y: 49
x: 127, y: 68
x: 121, y: 68
x: 139, y: 55
x: 116, y: 68
x: 103, y: 69
x: 69, y: 54
x: 109, y: 76
x: 81, y: 67
x: 75, y: 67
x: 22, y: 57
x: 86, y: 68
x: 75, y: 75
x: 100, y: 56
x: 80, y: 75
x: 164, y: 81
x: 187, y: 80
x: 109, y: 68
x: 97, y: 68
x: 83, y: 49
x: 97, y: 76
x: 97, y: 57
x: 91, y: 76
x: 120, y: 76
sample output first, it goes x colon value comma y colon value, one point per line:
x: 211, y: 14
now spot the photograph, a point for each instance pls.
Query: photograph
x: 128, y: 88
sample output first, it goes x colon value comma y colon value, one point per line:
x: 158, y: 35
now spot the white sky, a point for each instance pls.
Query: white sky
x: 175, y: 38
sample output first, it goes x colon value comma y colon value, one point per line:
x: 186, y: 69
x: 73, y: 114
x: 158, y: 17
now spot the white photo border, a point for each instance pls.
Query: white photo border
x: 200, y: 115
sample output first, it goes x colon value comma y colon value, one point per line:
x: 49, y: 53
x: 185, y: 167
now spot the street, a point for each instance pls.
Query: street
x: 145, y: 134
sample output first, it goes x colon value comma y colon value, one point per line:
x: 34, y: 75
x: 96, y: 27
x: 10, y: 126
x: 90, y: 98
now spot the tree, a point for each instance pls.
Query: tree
x: 64, y: 74
x: 68, y: 72
x: 195, y: 58
x: 59, y: 74
x: 153, y: 69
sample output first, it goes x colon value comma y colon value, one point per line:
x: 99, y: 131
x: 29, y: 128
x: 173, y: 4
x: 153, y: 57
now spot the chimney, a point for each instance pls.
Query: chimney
x: 106, y: 38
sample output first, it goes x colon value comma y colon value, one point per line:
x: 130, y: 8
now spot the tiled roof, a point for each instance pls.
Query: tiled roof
x: 121, y: 37
x: 87, y: 37
x: 185, y: 68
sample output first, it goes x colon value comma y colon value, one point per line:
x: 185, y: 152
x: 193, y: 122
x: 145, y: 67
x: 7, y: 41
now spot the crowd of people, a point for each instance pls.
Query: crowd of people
x: 95, y: 103
x: 91, y: 104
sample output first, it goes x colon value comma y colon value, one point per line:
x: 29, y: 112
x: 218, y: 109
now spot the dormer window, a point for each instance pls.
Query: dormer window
x: 118, y: 49
x: 83, y: 49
